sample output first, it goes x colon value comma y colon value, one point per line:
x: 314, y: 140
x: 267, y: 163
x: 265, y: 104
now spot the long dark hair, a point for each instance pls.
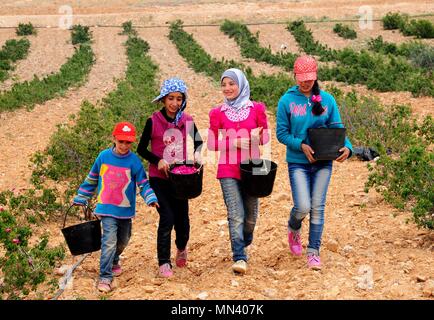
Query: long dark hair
x: 317, y: 108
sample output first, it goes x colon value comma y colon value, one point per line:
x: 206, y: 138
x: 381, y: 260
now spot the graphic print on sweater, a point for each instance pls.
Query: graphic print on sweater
x: 115, y: 181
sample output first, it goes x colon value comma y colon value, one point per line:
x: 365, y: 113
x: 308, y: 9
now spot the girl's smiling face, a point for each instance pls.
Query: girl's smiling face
x: 230, y: 88
x: 305, y: 87
x: 122, y: 146
x: 172, y: 102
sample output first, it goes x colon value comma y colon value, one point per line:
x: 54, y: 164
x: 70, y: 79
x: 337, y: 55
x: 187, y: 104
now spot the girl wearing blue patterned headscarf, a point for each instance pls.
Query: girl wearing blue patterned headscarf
x: 166, y: 131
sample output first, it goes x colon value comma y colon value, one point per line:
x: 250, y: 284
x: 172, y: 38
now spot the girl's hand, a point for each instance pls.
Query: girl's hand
x: 255, y: 134
x: 344, y: 156
x: 197, y: 157
x: 154, y: 204
x: 242, y: 143
x: 164, y: 167
x: 308, y: 151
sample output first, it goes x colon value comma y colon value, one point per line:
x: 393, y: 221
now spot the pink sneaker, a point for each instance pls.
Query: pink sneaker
x: 166, y: 270
x: 104, y: 285
x: 181, y: 258
x: 313, y: 261
x: 294, y: 241
x: 117, y: 270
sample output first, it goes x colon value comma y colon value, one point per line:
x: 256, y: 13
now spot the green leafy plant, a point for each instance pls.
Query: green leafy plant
x: 25, y: 29
x: 409, y: 27
x: 344, y: 31
x: 392, y: 21
x: 12, y: 51
x: 80, y: 34
x: 24, y: 265
x: 128, y: 29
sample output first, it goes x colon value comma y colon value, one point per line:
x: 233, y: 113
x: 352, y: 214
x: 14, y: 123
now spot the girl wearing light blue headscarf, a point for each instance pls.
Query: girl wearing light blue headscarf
x: 242, y: 125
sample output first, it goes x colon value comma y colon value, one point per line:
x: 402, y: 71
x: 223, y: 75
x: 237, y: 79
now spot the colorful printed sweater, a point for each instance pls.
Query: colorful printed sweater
x: 115, y: 177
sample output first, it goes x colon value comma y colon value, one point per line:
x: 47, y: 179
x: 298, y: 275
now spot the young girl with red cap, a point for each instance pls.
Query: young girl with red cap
x: 302, y: 107
x: 114, y: 178
x: 167, y: 131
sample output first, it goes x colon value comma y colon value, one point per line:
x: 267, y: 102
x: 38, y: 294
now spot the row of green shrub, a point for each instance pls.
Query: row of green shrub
x: 72, y: 73
x: 406, y: 184
x: 250, y: 47
x: 12, y: 51
x: 409, y: 27
x: 420, y: 54
x: 376, y: 71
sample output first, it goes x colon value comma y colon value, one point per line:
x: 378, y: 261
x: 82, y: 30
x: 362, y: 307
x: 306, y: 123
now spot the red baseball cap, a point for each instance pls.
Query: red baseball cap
x: 125, y: 131
x: 305, y: 68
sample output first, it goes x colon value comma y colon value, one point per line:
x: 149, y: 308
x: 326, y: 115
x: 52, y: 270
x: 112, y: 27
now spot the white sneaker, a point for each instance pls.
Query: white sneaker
x: 240, y: 267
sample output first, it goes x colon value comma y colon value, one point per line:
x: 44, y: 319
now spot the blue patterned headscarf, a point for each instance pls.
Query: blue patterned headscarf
x: 174, y: 85
x: 243, y: 97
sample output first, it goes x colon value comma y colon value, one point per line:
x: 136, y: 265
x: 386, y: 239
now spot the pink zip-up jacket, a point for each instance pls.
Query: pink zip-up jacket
x: 230, y: 156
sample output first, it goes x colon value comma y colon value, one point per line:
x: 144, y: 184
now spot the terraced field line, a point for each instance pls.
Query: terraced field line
x: 224, y: 47
x: 274, y: 36
x: 22, y: 132
x: 48, y: 51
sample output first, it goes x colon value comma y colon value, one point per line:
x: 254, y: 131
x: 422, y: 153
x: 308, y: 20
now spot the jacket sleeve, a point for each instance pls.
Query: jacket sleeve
x: 145, y: 189
x: 88, y: 187
x: 283, y: 127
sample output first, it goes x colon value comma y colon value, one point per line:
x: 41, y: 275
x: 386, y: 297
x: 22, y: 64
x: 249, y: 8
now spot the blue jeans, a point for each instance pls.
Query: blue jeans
x: 242, y: 215
x: 115, y: 237
x: 309, y: 184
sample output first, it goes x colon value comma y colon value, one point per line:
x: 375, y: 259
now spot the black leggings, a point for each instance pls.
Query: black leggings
x: 173, y: 213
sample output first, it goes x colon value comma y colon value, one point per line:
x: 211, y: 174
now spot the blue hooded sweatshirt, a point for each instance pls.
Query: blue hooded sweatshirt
x: 294, y: 117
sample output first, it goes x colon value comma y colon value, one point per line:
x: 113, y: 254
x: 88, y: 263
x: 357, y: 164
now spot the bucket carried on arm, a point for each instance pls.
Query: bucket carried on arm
x: 83, y: 237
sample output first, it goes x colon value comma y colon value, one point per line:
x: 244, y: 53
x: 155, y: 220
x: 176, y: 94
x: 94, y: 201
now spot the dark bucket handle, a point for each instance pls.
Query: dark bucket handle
x: 86, y: 211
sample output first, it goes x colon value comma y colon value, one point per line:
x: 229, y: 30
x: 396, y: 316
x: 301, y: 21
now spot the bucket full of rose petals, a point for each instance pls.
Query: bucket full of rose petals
x: 186, y: 180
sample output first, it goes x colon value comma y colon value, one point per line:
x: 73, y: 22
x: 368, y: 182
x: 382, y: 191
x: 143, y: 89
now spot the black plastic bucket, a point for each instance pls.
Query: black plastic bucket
x: 83, y: 237
x: 186, y: 186
x: 257, y: 177
x: 326, y: 142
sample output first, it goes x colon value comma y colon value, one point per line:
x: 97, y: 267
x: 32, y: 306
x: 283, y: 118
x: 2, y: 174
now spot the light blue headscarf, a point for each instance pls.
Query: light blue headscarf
x: 174, y: 85
x: 243, y: 97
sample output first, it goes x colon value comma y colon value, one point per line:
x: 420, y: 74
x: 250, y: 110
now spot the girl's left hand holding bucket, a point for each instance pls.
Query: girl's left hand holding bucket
x: 154, y: 204
x: 344, y: 155
x: 79, y: 201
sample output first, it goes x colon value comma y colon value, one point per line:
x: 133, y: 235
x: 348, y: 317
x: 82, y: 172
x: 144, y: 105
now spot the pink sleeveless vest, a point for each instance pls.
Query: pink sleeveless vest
x: 168, y: 141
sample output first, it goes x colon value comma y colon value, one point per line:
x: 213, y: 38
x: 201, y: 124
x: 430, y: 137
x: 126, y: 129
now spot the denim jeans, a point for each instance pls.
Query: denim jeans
x: 242, y: 215
x: 173, y: 215
x: 309, y: 184
x: 115, y: 236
